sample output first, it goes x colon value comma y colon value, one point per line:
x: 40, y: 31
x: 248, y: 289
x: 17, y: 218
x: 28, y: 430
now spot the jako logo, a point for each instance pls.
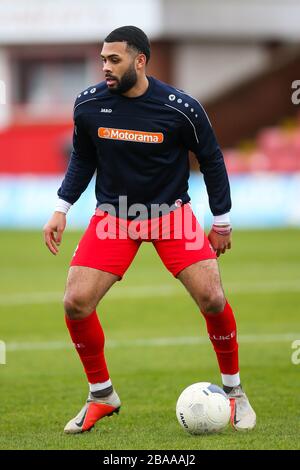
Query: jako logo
x: 106, y: 110
x: 130, y: 135
x: 183, y: 420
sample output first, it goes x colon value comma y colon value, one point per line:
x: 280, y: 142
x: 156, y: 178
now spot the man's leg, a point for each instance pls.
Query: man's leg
x: 101, y: 259
x: 202, y: 280
x: 85, y: 288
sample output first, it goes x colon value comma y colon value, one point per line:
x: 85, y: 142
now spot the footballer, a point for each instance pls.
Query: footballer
x: 135, y: 133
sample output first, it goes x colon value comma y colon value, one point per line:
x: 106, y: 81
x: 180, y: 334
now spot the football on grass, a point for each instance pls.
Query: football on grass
x: 203, y: 408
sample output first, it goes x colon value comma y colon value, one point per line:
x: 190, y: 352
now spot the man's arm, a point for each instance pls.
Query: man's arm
x: 81, y: 167
x: 199, y: 137
x: 80, y: 171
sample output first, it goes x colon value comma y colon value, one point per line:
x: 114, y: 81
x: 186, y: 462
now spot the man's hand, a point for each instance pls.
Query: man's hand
x: 220, y: 241
x: 53, y: 231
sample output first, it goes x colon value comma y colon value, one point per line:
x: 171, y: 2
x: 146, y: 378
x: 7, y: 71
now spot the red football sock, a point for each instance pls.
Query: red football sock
x: 88, y: 339
x: 222, y: 332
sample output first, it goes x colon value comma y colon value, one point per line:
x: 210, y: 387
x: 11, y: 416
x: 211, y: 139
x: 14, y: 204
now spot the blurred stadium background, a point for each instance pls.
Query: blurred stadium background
x: 241, y: 59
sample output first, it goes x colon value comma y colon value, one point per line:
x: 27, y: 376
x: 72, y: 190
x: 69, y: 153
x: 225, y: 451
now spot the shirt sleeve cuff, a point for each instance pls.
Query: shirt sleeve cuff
x: 62, y: 206
x: 223, y: 219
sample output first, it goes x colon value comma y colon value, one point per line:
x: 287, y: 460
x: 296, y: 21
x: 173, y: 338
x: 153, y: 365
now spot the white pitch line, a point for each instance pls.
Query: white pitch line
x: 30, y: 298
x: 267, y: 287
x: 152, y: 342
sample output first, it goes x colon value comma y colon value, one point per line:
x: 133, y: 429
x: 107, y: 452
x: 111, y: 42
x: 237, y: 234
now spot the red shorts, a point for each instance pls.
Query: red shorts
x: 110, y: 243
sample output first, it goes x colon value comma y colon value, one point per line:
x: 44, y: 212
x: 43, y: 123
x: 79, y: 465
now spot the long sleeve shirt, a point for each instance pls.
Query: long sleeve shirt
x: 139, y: 147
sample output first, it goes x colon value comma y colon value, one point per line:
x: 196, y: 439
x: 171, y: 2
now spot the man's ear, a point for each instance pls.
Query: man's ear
x: 141, y: 61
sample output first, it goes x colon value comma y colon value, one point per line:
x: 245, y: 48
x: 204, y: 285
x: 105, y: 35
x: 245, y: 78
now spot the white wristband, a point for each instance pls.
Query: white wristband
x: 62, y: 206
x: 223, y: 219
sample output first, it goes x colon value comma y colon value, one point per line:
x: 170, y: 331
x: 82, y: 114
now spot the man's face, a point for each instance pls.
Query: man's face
x: 118, y: 67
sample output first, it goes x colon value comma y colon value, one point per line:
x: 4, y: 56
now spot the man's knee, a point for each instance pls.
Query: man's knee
x: 76, y: 306
x: 212, y: 302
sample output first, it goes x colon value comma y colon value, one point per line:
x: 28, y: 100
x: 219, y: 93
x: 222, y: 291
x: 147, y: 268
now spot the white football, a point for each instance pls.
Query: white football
x: 203, y: 408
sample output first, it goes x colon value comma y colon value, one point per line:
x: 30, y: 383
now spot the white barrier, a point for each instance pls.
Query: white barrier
x: 259, y: 201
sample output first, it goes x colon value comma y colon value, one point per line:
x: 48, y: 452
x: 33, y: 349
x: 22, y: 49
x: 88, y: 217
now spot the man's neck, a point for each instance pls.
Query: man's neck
x: 139, y: 88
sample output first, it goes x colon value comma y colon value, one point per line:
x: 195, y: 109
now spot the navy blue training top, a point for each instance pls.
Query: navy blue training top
x: 139, y: 148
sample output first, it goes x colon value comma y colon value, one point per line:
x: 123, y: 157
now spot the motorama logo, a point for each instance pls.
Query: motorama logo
x: 130, y: 135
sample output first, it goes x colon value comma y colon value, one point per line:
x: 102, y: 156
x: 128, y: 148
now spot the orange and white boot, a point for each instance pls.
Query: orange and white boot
x: 94, y: 410
x: 243, y: 417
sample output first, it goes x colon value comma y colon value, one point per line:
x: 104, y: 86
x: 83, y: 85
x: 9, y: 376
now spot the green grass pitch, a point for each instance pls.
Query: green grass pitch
x: 156, y: 346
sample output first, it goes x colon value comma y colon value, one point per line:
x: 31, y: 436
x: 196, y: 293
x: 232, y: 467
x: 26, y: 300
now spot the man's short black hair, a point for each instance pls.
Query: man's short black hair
x: 135, y: 38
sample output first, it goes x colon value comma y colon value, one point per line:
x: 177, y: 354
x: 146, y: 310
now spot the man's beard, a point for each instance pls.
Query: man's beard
x: 126, y: 82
